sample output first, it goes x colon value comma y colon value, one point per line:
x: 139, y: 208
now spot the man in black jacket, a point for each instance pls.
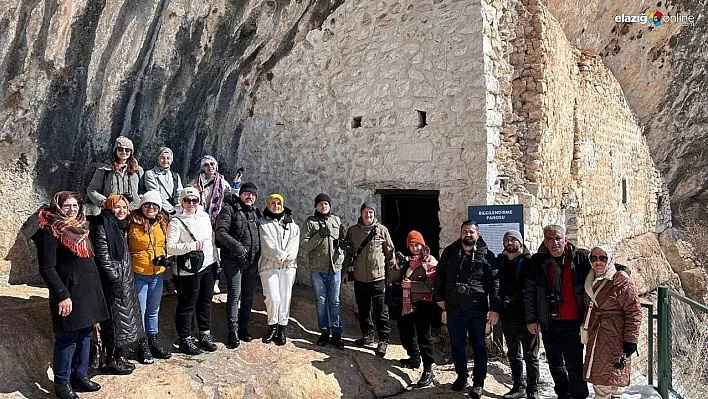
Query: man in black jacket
x: 237, y: 236
x: 466, y: 287
x: 553, y: 297
x: 513, y: 268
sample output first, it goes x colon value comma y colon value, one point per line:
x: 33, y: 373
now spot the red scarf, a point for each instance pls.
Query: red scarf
x: 422, y: 260
x: 73, y: 233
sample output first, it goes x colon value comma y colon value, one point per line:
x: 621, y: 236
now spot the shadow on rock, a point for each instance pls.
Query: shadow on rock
x: 26, y: 347
x: 23, y: 256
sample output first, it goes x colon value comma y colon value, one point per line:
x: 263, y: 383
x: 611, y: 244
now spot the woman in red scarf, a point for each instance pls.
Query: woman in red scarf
x: 417, y: 278
x: 65, y: 257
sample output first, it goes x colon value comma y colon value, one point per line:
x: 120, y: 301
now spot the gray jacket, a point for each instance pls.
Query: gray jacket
x: 324, y: 251
x: 163, y: 181
x: 106, y: 182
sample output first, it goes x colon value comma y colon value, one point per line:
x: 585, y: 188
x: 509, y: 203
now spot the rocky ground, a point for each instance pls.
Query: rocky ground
x: 300, y: 369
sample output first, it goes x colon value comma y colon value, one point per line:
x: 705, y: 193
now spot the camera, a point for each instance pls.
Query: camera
x: 161, y: 260
x: 401, y: 259
x: 324, y: 232
x: 553, y: 305
x: 621, y: 364
x: 464, y: 289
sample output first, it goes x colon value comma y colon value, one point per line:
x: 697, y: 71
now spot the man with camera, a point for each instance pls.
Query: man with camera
x: 553, y: 298
x: 237, y: 235
x: 322, y: 236
x: 466, y: 287
x: 369, y: 254
x: 513, y: 268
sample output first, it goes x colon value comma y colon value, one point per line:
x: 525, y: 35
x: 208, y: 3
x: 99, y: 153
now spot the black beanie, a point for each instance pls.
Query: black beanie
x: 248, y: 187
x: 323, y: 197
x: 367, y: 204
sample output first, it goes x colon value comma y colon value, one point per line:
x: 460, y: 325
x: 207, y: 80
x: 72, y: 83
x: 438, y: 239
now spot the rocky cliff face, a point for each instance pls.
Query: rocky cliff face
x: 662, y: 72
x: 75, y: 74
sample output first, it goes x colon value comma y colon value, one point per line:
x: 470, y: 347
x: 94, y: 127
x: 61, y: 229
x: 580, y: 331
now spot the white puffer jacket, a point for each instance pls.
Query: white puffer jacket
x: 179, y: 242
x: 280, y: 240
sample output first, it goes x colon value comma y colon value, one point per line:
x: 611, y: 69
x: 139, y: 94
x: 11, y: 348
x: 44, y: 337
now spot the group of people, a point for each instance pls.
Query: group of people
x: 104, y: 262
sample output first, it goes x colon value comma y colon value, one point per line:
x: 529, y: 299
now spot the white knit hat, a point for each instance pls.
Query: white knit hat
x: 151, y: 196
x: 189, y: 192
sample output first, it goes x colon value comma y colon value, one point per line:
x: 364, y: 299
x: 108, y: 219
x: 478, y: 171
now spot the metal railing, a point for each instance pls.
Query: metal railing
x: 682, y: 337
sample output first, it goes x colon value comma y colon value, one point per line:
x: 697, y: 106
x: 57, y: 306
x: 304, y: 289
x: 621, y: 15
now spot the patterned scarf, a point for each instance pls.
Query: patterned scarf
x: 422, y: 260
x: 217, y: 194
x: 73, y: 233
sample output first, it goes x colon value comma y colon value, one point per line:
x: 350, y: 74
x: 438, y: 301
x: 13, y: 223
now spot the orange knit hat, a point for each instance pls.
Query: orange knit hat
x: 414, y: 237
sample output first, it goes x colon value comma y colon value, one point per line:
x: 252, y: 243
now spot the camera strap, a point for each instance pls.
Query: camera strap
x: 364, y: 243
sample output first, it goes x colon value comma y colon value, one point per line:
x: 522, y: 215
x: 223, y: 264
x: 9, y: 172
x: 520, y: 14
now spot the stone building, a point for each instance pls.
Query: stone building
x: 465, y: 102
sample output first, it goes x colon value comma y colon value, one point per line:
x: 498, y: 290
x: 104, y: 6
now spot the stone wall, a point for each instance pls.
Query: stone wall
x: 569, y: 138
x: 380, y: 63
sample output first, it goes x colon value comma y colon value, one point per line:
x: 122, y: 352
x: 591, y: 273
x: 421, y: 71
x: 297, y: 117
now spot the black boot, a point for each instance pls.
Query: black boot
x: 157, y: 349
x: 337, y: 340
x: 244, y: 335
x: 206, y: 342
x: 270, y: 334
x: 189, y: 347
x: 427, y: 377
x: 113, y: 366
x: 518, y: 391
x: 324, y: 338
x: 84, y: 384
x: 121, y: 360
x: 144, y: 354
x: 280, y: 337
x: 65, y: 391
x: 412, y: 362
x: 233, y: 341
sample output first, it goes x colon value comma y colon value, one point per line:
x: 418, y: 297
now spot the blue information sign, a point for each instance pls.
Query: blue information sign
x: 495, y: 220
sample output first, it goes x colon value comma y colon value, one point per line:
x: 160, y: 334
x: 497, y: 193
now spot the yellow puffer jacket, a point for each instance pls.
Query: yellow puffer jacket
x: 144, y: 247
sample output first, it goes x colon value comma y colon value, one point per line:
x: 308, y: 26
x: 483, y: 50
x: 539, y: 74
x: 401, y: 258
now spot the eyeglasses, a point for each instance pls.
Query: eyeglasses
x: 594, y: 258
x: 124, y: 149
x: 209, y: 164
x: 193, y: 201
x: 151, y: 205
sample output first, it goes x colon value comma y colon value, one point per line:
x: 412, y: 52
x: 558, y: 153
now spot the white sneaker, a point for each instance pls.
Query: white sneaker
x: 216, y: 287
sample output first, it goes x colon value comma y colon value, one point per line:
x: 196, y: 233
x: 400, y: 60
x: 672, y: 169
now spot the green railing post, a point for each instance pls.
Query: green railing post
x: 650, y: 341
x: 664, y: 343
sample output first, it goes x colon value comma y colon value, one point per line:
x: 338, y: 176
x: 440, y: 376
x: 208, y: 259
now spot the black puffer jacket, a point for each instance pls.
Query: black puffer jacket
x: 125, y: 323
x: 482, y: 277
x: 237, y: 233
x: 512, y: 275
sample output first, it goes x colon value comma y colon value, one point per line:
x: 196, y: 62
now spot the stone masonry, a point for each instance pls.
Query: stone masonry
x: 515, y: 114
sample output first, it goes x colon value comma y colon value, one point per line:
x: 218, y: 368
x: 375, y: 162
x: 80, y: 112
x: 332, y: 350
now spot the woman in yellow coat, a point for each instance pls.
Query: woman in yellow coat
x: 147, y: 238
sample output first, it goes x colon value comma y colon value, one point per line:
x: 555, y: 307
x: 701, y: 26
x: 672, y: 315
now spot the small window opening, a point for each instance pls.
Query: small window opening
x: 624, y: 191
x: 356, y: 122
x: 422, y: 119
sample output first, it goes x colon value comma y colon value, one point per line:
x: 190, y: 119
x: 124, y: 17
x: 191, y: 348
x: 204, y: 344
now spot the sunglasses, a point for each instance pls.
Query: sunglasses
x: 123, y: 149
x: 193, y: 201
x: 601, y: 258
x: 151, y: 205
x: 209, y: 164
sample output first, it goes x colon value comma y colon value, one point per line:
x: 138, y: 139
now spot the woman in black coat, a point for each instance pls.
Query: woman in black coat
x: 76, y: 303
x: 124, y: 326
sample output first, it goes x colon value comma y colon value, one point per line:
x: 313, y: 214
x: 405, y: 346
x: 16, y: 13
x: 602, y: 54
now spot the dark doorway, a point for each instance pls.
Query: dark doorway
x: 406, y: 210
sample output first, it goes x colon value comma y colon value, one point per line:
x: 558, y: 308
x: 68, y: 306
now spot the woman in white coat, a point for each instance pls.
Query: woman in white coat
x: 280, y: 240
x: 189, y: 234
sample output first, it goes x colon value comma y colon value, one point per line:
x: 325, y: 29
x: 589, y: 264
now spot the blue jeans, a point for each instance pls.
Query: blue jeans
x: 71, y: 354
x: 326, y: 287
x: 149, y: 295
x: 458, y: 326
